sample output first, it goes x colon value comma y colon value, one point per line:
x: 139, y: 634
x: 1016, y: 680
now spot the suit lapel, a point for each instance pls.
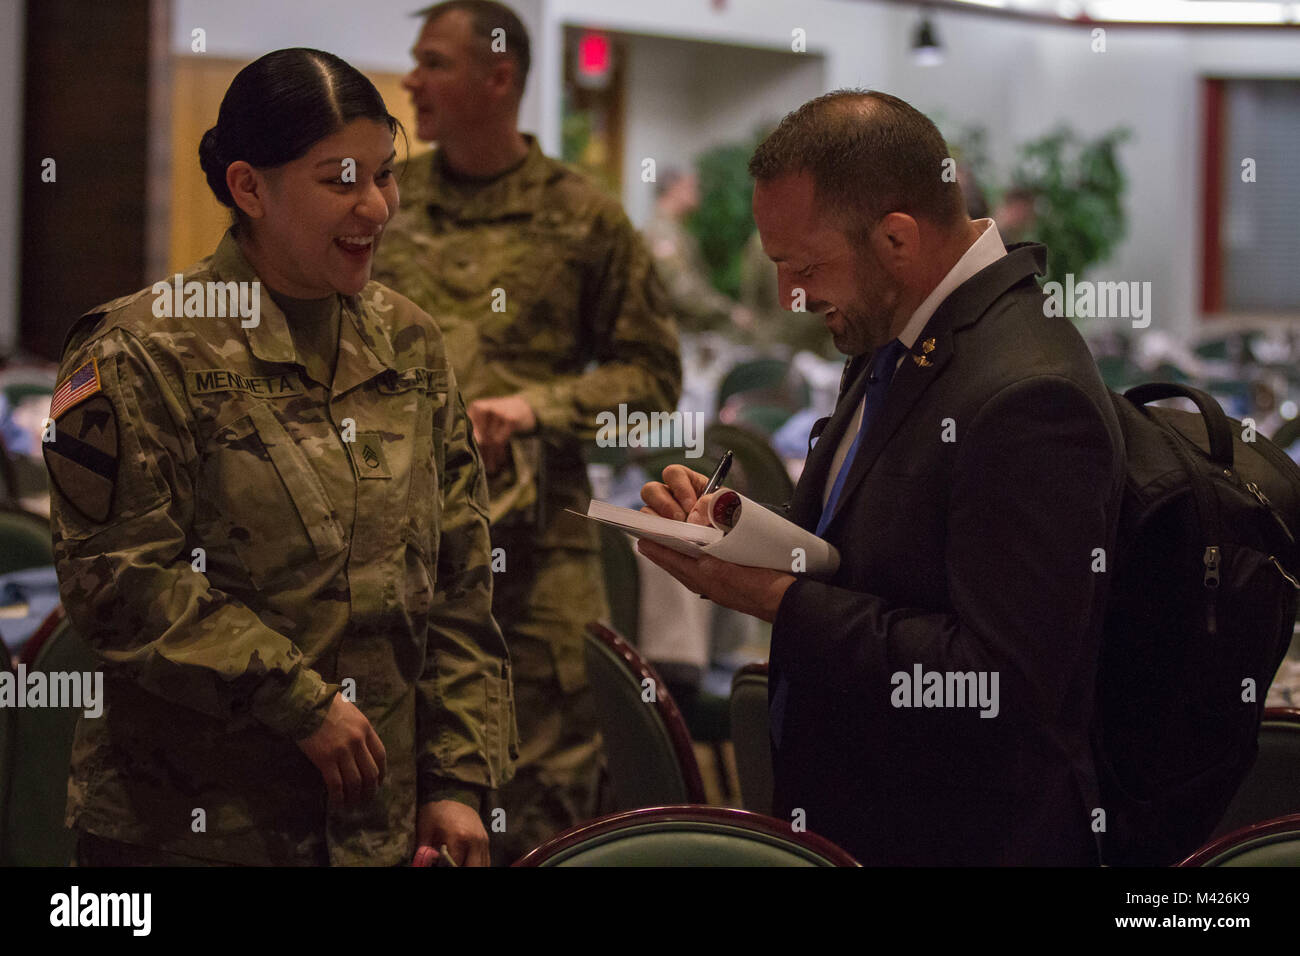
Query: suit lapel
x: 806, y: 505
x: 967, y: 303
x: 910, y: 382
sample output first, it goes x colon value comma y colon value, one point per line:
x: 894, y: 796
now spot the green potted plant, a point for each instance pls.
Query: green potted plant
x: 1078, y: 185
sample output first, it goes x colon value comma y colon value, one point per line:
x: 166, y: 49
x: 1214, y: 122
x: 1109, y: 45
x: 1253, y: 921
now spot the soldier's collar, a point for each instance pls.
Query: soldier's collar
x: 364, y: 348
x: 269, y: 340
x: 503, y: 195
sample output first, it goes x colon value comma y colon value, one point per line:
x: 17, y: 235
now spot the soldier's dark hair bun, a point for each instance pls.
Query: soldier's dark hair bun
x: 214, y: 170
x: 281, y: 104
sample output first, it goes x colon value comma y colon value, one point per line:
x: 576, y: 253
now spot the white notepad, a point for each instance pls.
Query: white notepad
x: 759, y: 538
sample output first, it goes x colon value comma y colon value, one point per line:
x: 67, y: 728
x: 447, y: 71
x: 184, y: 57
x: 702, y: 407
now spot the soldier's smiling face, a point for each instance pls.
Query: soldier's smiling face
x: 448, y: 85
x: 842, y: 279
x: 318, y: 218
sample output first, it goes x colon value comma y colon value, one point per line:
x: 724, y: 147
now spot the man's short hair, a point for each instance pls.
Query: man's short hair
x: 869, y: 154
x: 485, y: 17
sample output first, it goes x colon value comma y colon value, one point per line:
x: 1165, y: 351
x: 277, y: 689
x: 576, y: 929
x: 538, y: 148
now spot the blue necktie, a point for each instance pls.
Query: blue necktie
x: 882, y: 373
x: 883, y: 365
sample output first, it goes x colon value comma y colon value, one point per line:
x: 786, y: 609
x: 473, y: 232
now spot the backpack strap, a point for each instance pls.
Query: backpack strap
x: 1203, y: 497
x: 1216, y: 423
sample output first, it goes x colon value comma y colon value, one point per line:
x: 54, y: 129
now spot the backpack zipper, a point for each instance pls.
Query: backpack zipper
x: 1254, y: 489
x: 1211, y: 562
x: 1283, y: 571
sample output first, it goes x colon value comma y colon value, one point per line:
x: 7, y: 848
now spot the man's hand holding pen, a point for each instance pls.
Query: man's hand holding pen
x: 685, y: 495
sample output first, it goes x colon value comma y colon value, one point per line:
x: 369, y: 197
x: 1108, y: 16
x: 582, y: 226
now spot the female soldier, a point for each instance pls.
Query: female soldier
x: 270, y: 523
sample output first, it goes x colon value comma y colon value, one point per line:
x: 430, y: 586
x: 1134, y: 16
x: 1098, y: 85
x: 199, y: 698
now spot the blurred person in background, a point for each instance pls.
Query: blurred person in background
x: 1016, y: 214
x: 697, y: 305
x: 553, y: 313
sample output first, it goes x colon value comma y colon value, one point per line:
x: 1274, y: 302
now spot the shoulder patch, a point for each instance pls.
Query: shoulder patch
x: 81, y: 455
x: 76, y: 388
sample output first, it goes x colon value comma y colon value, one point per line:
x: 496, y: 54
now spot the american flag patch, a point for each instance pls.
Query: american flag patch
x: 81, y: 384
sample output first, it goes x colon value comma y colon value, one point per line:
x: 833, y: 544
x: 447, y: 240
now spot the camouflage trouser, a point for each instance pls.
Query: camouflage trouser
x: 543, y: 601
x: 97, y: 851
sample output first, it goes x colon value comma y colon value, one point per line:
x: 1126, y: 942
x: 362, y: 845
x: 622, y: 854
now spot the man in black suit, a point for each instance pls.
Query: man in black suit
x: 930, y: 701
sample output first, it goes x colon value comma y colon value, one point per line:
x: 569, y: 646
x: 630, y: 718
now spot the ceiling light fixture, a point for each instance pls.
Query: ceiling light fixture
x: 926, y: 48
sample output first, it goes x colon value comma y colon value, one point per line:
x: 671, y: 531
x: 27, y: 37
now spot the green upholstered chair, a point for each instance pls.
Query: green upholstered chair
x: 757, y: 415
x: 1169, y: 372
x: 7, y: 717
x: 647, y: 746
x: 24, y: 540
x: 774, y: 377
x: 1216, y: 349
x: 1117, y: 372
x: 8, y: 479
x: 687, y: 836
x: 1270, y: 843
x: 622, y: 582
x: 616, y: 456
x: 756, y: 471
x: 762, y: 394
x: 42, y: 751
x: 750, y: 736
x: 1272, y: 788
x: 1288, y: 434
x: 16, y: 392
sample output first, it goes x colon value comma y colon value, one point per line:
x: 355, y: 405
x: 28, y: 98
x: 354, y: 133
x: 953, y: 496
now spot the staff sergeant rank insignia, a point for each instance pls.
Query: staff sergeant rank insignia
x: 368, y: 456
x: 81, y: 455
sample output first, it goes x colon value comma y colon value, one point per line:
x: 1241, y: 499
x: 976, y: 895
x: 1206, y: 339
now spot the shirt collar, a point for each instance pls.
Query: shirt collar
x: 984, y: 251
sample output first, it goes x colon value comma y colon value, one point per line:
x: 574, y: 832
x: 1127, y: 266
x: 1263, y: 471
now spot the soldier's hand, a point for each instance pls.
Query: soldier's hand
x: 348, y: 753
x: 677, y: 496
x: 494, y: 420
x: 456, y: 825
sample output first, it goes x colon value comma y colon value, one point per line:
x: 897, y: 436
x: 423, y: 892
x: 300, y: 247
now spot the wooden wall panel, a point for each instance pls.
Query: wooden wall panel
x: 85, y: 107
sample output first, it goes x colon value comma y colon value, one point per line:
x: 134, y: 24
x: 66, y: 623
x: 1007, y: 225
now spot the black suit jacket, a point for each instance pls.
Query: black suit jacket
x: 969, y: 531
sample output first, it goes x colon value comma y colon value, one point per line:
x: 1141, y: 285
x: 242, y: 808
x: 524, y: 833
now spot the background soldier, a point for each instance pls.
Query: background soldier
x: 551, y: 312
x: 697, y: 305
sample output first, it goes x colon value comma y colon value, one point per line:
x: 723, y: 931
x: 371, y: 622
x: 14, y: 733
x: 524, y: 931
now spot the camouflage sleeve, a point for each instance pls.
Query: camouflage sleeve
x: 465, y: 722
x: 689, y: 291
x: 127, y: 575
x: 758, y: 288
x: 634, y: 339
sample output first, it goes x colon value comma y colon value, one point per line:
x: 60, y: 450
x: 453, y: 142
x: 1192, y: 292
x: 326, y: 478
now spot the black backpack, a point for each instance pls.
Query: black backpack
x: 1202, y: 603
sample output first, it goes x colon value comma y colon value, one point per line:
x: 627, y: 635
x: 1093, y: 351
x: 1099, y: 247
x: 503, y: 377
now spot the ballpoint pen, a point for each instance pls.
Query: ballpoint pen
x: 718, y: 475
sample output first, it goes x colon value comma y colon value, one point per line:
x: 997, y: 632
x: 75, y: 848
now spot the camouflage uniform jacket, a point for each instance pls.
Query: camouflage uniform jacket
x: 541, y: 287
x: 677, y: 257
x: 247, y: 561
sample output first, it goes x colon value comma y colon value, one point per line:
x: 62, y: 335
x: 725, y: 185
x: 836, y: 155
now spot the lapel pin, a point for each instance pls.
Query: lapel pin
x: 926, y: 347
